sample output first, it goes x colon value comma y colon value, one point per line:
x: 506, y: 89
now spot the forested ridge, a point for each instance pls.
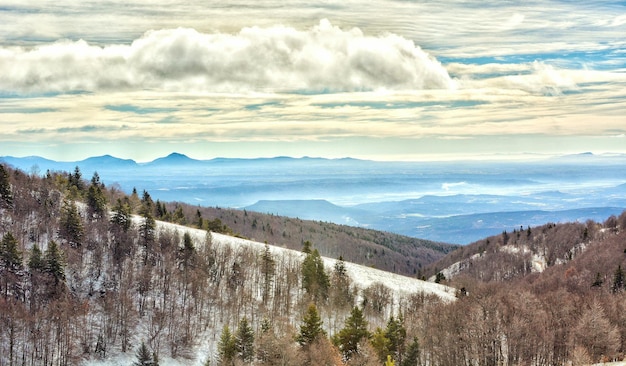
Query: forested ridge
x: 89, y: 274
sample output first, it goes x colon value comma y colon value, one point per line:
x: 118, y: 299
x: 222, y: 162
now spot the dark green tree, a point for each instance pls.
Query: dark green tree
x: 6, y: 196
x: 179, y: 216
x: 147, y: 228
x: 226, y: 348
x: 314, y: 278
x: 244, y: 341
x: 122, y: 215
x: 440, y: 277
x: 36, y: 262
x: 71, y: 226
x: 10, y: 256
x: 354, y: 331
x: 412, y: 356
x: 11, y: 265
x: 54, y: 263
x: 396, y: 334
x: 268, y: 267
x: 341, y: 295
x: 96, y: 200
x: 75, y: 184
x: 161, y: 210
x: 311, y: 327
x: 187, y: 253
x: 144, y: 357
x: 199, y: 219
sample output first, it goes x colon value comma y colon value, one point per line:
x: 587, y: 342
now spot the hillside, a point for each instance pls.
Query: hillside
x: 81, y: 286
x: 556, y: 281
x: 384, y: 250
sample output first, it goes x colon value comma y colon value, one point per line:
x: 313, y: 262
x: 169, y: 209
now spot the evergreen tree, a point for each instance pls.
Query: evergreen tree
x: 396, y: 334
x: 440, y: 277
x: 311, y: 327
x: 36, y: 262
x: 226, y: 347
x: 147, y: 228
x: 411, y: 358
x: 122, y: 215
x: 380, y: 343
x: 161, y: 210
x: 199, y: 219
x: 54, y: 264
x: 75, y: 184
x: 353, y: 332
x: 179, y: 216
x: 144, y: 357
x: 147, y: 204
x: 10, y: 256
x: 6, y: 196
x: 187, y: 253
x: 71, y: 227
x: 341, y: 295
x: 96, y: 201
x: 314, y: 278
x: 268, y: 267
x: 244, y: 341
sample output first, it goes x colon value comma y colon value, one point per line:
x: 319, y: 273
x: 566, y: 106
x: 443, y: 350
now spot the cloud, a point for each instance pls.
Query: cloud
x: 324, y: 58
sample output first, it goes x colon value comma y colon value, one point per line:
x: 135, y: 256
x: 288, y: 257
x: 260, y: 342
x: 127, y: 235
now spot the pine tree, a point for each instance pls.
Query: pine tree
x: 396, y: 334
x: 268, y: 267
x: 96, y: 201
x: 353, y: 332
x: 122, y: 215
x: 75, y: 184
x: 314, y: 278
x: 36, y: 262
x: 244, y: 341
x: 340, y: 292
x: 187, y: 252
x: 412, y: 355
x: 380, y: 343
x: 311, y: 327
x: 71, y: 227
x: 6, y: 197
x: 10, y: 256
x: 144, y: 357
x: 226, y: 347
x: 54, y: 264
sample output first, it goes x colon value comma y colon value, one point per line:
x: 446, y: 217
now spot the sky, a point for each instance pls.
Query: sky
x: 375, y: 79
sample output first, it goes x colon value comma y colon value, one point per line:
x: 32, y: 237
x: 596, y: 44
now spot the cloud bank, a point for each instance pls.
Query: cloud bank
x: 324, y: 58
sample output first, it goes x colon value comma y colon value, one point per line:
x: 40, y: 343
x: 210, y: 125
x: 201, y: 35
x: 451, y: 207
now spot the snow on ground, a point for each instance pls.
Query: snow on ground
x: 362, y: 276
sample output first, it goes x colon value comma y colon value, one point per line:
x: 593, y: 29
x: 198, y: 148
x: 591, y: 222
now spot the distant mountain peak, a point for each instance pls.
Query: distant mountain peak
x: 174, y: 158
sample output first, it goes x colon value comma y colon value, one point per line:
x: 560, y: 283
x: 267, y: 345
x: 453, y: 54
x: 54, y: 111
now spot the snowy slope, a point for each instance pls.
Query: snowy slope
x: 362, y: 276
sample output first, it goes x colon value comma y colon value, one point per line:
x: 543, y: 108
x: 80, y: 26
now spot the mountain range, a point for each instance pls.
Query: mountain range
x: 450, y: 201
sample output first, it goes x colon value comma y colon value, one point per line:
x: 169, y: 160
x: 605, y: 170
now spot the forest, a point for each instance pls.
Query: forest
x: 90, y: 274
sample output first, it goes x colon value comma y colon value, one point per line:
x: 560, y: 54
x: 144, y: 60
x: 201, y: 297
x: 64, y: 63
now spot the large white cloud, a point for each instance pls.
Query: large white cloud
x: 323, y: 58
